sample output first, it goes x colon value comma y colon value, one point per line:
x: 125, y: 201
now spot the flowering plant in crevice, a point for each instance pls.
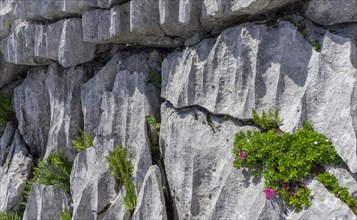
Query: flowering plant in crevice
x: 284, y: 160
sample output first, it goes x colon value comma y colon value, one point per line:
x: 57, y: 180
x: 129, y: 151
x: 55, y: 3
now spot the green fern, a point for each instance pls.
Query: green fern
x: 122, y: 169
x: 119, y: 165
x: 5, y: 108
x: 84, y: 141
x: 130, y: 197
x: 9, y: 216
x: 153, y: 124
x: 55, y: 170
x: 267, y: 121
x: 65, y: 215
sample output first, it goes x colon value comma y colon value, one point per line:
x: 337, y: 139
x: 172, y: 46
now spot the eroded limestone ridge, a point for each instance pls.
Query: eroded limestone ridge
x: 197, y: 67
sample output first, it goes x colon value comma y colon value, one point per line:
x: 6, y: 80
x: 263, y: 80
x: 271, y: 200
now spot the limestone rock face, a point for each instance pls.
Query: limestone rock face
x: 231, y: 76
x: 7, y: 16
x: 204, y: 183
x: 134, y: 22
x: 46, y: 9
x: 9, y: 72
x: 46, y: 104
x: 221, y: 13
x: 15, y: 168
x: 151, y: 201
x: 36, y: 44
x: 330, y: 12
x: 45, y: 202
x: 115, y: 103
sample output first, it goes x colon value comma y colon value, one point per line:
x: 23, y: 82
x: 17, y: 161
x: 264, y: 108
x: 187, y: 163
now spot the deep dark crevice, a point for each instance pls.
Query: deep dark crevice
x: 237, y: 121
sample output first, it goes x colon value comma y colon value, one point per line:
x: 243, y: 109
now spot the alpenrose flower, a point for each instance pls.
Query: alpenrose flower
x: 241, y: 155
x: 269, y: 193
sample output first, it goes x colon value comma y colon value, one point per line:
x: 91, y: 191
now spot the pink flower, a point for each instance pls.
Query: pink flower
x: 269, y: 193
x: 241, y: 155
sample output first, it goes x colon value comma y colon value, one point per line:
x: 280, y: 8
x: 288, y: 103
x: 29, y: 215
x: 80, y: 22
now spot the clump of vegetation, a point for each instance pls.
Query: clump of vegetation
x: 316, y: 45
x: 122, y: 169
x: 9, y: 216
x: 54, y: 170
x: 84, y: 141
x: 65, y: 215
x: 331, y: 184
x: 284, y: 160
x: 155, y: 78
x: 267, y: 121
x: 5, y: 108
x: 154, y: 125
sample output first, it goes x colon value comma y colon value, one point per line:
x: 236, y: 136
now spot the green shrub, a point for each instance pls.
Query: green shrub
x: 267, y: 121
x: 65, y: 215
x: 283, y: 159
x: 316, y: 45
x: 5, y: 108
x: 84, y: 141
x: 122, y: 169
x: 54, y: 170
x: 331, y: 184
x: 9, y: 216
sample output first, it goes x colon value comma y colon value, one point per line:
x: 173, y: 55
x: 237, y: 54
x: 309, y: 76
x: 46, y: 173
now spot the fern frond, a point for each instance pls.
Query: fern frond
x: 84, y: 141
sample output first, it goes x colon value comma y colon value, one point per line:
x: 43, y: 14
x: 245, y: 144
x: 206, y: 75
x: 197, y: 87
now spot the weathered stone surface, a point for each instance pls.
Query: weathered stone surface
x: 72, y: 50
x: 221, y: 13
x: 7, y: 16
x: 246, y: 67
x: 114, y: 103
x: 151, y: 201
x: 15, y: 167
x: 324, y: 205
x: 45, y: 202
x: 345, y: 178
x: 330, y: 12
x: 36, y: 44
x: 134, y: 22
x: 180, y: 18
x: 47, y: 39
x: 18, y: 47
x: 47, y: 106
x: 33, y: 111
x: 9, y: 72
x: 46, y: 9
x: 86, y: 4
x: 205, y: 185
x: 117, y: 210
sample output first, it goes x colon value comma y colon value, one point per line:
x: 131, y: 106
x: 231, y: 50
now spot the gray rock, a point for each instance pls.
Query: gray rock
x: 46, y: 9
x: 117, y: 210
x: 218, y: 14
x: 345, y: 178
x: 34, y: 44
x: 114, y: 103
x: 72, y: 50
x: 6, y: 140
x: 324, y: 205
x: 14, y: 173
x: 32, y: 107
x: 245, y: 68
x: 136, y: 22
x: 205, y: 185
x: 180, y: 18
x: 47, y: 40
x: 45, y: 202
x: 330, y: 12
x: 18, y: 47
x: 9, y: 72
x: 47, y: 108
x: 151, y: 201
x: 199, y: 163
x: 7, y: 16
x: 86, y: 4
